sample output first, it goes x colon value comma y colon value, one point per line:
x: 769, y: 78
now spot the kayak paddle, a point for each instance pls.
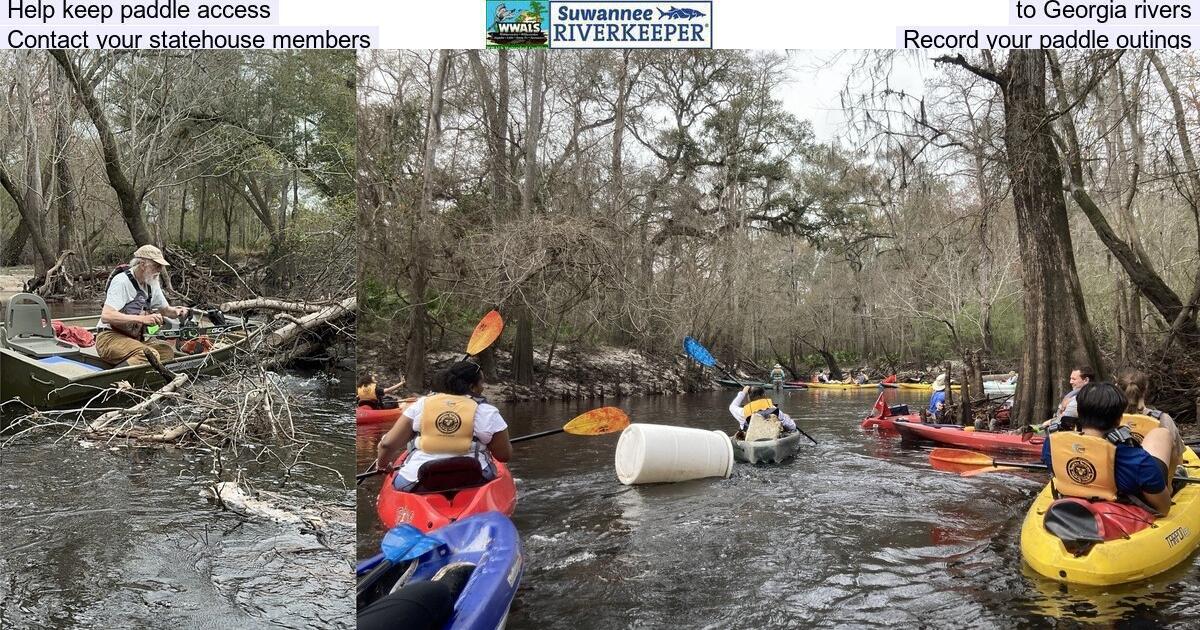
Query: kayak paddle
x: 595, y: 422
x: 486, y: 331
x: 701, y: 355
x: 962, y: 462
x: 970, y: 463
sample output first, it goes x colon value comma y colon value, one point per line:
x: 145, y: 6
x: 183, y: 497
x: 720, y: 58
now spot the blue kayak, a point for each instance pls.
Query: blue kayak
x: 489, y: 541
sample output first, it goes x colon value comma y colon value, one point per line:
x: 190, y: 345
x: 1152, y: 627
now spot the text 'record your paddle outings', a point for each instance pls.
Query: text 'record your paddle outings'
x: 1090, y: 24
x: 167, y: 24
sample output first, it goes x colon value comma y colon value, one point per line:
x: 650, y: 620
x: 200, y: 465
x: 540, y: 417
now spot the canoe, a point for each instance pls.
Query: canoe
x: 429, y: 511
x: 954, y: 435
x: 365, y: 414
x: 63, y: 381
x: 489, y: 541
x: 766, y: 451
x: 1113, y: 543
x: 842, y: 386
x: 887, y: 425
x: 993, y: 387
x: 924, y: 387
x: 724, y: 382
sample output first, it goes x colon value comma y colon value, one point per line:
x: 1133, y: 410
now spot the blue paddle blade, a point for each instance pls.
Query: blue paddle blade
x: 698, y: 352
x: 405, y: 542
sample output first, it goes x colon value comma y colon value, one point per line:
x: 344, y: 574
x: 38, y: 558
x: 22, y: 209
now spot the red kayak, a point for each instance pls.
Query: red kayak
x: 365, y: 414
x: 888, y: 424
x: 954, y: 435
x: 446, y: 495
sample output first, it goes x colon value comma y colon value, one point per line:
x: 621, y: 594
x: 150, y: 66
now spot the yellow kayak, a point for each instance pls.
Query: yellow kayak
x: 924, y: 387
x: 842, y: 386
x: 1165, y: 543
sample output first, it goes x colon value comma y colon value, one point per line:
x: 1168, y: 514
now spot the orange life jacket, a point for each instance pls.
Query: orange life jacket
x: 447, y: 425
x: 751, y: 408
x: 366, y: 393
x: 1085, y: 466
x: 1139, y: 425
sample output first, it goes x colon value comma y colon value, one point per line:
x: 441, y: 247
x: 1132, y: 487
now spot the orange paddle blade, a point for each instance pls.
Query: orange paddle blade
x: 598, y: 422
x: 486, y: 331
x: 960, y: 456
x: 979, y: 471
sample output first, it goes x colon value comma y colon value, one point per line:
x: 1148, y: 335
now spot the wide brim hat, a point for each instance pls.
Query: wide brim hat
x: 150, y: 252
x: 939, y: 383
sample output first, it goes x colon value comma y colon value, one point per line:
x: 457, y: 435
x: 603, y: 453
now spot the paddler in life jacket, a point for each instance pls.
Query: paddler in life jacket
x: 1102, y: 461
x: 134, y: 293
x: 454, y: 422
x: 777, y: 373
x: 1167, y: 444
x: 371, y: 394
x: 753, y: 400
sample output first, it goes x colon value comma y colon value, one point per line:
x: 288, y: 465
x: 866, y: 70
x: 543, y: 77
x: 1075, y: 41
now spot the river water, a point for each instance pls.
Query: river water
x: 857, y: 531
x: 99, y: 535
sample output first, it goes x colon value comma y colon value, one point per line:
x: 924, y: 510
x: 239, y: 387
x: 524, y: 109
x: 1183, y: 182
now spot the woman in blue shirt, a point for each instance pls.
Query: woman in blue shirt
x: 1137, y: 473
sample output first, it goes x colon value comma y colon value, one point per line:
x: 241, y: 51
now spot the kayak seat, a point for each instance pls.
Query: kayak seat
x: 448, y: 474
x: 29, y: 328
x: 1081, y: 524
x: 898, y: 410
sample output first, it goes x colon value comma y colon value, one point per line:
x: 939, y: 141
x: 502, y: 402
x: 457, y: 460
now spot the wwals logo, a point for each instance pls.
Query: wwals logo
x: 517, y: 24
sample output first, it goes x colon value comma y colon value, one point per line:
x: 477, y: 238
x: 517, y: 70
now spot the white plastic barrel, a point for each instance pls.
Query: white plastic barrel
x: 658, y: 453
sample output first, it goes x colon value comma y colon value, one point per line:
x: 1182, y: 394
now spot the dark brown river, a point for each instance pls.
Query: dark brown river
x: 97, y: 535
x: 857, y: 531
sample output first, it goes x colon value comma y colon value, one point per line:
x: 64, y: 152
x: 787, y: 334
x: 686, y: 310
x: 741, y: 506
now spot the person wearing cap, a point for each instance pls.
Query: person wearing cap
x: 777, y: 373
x: 135, y: 300
x: 937, y: 402
x: 456, y: 421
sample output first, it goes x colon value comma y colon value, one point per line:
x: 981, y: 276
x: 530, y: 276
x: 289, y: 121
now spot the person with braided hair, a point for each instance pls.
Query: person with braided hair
x: 455, y: 421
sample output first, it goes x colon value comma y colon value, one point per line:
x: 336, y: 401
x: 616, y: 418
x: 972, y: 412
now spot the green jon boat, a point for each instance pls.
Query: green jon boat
x: 65, y: 380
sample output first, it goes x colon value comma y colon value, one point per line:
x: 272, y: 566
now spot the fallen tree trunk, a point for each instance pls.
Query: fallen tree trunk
x: 310, y: 321
x: 271, y: 305
x: 103, y: 421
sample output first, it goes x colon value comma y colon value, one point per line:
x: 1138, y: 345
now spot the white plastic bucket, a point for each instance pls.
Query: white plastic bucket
x: 658, y: 453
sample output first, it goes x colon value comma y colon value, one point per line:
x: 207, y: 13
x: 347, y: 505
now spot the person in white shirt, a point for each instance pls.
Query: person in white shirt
x: 752, y: 400
x: 135, y: 300
x: 455, y: 422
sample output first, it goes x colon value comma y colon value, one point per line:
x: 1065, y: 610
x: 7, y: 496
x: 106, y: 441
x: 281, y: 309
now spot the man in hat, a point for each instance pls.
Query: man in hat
x: 134, y: 294
x: 937, y: 402
x: 777, y: 373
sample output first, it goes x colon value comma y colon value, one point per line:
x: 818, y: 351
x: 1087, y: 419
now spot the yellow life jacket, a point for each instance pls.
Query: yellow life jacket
x: 1085, y: 466
x: 1139, y: 425
x: 447, y: 425
x: 751, y: 408
x: 366, y: 393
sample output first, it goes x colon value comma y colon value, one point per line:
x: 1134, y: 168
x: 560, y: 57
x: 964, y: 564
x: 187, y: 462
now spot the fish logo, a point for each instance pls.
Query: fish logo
x: 680, y: 14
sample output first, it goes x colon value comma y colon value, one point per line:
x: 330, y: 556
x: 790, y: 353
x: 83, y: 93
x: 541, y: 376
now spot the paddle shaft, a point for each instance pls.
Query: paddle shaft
x: 532, y: 436
x: 1027, y: 466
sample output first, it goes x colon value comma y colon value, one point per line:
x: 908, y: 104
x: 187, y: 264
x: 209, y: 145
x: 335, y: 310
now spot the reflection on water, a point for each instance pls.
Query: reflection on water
x: 112, y: 536
x: 857, y: 531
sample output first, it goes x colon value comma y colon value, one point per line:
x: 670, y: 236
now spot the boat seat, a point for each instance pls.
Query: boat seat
x: 448, y: 474
x: 30, y: 330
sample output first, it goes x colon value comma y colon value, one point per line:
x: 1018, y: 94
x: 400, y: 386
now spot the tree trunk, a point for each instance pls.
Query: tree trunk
x: 68, y: 206
x: 522, y: 356
x: 128, y: 197
x: 1058, y: 334
x: 417, y: 272
x: 1148, y: 282
x: 533, y: 132
x: 14, y: 245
